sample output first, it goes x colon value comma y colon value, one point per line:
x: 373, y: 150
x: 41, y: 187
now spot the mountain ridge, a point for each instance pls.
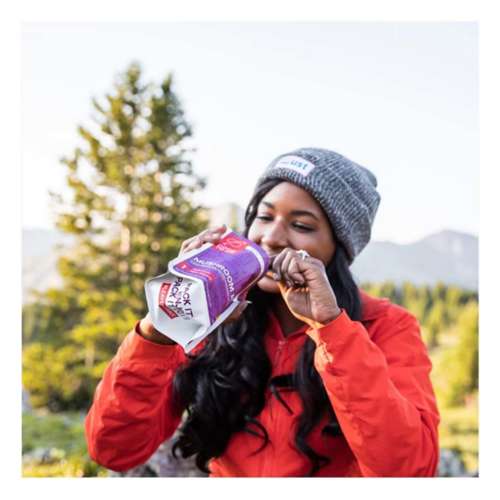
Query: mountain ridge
x: 446, y: 256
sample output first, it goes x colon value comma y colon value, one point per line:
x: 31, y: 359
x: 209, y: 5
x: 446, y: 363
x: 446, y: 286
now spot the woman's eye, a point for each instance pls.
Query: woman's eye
x: 300, y: 227
x: 303, y: 228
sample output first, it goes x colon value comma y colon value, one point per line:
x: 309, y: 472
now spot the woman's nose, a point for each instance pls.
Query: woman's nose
x: 274, y: 236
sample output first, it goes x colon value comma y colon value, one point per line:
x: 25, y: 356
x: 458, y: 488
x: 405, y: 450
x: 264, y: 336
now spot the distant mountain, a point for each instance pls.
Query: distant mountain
x: 447, y: 256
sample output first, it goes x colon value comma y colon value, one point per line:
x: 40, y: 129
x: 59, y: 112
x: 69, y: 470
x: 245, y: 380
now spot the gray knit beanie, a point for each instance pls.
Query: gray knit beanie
x: 345, y: 190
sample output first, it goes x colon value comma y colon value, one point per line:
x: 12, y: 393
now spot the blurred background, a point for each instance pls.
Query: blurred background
x: 137, y: 136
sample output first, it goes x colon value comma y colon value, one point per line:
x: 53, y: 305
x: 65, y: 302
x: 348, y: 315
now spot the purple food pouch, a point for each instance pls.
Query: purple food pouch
x: 203, y: 287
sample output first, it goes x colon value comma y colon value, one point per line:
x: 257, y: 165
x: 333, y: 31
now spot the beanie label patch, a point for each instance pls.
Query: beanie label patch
x: 295, y: 163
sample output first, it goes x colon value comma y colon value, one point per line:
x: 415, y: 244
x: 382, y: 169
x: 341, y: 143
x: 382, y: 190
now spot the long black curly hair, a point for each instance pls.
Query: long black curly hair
x: 223, y: 387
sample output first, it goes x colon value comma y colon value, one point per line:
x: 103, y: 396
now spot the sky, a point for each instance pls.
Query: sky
x: 398, y: 98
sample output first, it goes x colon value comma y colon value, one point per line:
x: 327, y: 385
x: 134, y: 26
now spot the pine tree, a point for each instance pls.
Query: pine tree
x: 129, y: 204
x: 461, y: 364
x: 413, y: 299
x: 436, y: 323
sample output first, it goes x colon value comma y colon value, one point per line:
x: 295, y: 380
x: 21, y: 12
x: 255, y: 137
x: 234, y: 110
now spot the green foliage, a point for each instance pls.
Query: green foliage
x: 130, y: 205
x: 53, y: 376
x: 72, y: 466
x: 437, y: 308
x: 458, y: 365
x: 49, y: 318
x: 435, y: 322
x: 459, y: 431
x: 54, y: 446
x: 45, y: 430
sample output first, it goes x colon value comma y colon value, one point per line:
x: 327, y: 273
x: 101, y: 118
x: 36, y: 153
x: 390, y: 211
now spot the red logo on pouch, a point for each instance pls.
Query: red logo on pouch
x: 231, y: 244
x: 165, y: 287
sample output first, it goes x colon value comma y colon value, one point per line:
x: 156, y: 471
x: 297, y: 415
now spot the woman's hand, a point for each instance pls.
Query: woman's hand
x: 212, y: 235
x: 305, y: 287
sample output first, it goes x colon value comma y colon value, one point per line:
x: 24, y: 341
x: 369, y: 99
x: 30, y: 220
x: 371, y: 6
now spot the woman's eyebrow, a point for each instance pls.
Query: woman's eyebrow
x: 293, y: 212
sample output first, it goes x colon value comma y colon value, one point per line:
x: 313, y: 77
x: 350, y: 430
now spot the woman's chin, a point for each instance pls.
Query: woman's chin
x: 267, y: 284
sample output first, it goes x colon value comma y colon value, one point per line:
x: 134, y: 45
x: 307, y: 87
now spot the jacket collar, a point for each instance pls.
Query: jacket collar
x: 276, y: 331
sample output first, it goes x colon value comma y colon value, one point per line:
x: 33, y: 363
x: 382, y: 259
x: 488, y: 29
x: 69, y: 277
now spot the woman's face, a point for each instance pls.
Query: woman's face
x: 288, y: 216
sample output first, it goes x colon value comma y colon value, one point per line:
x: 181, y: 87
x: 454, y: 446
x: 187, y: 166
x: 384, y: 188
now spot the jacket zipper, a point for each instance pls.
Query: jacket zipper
x: 281, y: 344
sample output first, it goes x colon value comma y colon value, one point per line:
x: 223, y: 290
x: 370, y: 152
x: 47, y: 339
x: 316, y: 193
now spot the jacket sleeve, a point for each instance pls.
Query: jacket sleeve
x: 132, y: 411
x: 381, y: 392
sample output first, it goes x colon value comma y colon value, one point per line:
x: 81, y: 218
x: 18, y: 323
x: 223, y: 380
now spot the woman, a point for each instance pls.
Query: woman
x: 313, y: 378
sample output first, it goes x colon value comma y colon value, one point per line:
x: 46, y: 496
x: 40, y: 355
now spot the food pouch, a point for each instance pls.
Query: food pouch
x: 203, y: 287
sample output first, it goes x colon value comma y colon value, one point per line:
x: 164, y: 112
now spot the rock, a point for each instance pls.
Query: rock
x: 26, y: 406
x: 44, y: 456
x: 451, y: 464
x: 163, y: 464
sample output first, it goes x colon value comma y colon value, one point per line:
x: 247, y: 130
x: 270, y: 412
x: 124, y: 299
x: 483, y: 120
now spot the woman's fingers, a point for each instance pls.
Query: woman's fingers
x: 276, y: 266
x: 294, y: 272
x: 185, y: 245
x: 286, y: 268
x: 291, y: 270
x: 212, y: 235
x: 285, y: 264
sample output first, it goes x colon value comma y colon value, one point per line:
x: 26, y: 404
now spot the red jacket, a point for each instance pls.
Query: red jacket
x: 376, y: 374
